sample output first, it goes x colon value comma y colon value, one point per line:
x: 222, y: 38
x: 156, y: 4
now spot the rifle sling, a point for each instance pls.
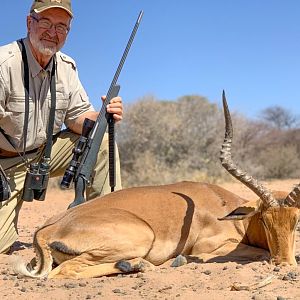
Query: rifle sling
x: 111, y: 152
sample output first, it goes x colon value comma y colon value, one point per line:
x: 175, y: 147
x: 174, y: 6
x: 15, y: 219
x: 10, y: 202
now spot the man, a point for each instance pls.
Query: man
x: 48, y: 25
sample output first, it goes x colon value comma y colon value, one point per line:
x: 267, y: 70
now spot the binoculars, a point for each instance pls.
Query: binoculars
x: 36, y: 181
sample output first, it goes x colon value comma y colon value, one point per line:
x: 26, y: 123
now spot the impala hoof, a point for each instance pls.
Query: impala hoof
x: 124, y: 266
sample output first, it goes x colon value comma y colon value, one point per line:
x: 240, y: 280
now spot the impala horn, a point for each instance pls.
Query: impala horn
x: 225, y: 157
x: 293, y: 198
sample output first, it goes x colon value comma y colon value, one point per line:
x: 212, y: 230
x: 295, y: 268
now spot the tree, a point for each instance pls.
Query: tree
x: 166, y: 141
x: 279, y: 117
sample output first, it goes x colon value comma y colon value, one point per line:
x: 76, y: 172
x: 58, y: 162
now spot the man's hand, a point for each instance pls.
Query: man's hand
x: 115, y: 107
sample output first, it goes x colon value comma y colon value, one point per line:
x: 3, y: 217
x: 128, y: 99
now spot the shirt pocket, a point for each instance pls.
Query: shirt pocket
x: 61, y: 107
x: 15, y: 114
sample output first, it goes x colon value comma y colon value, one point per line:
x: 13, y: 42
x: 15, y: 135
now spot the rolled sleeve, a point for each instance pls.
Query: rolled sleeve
x: 2, y: 96
x: 78, y: 99
x: 79, y: 103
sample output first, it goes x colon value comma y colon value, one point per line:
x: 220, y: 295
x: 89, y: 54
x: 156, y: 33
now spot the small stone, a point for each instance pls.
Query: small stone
x: 165, y: 288
x: 180, y: 260
x: 285, y: 277
x: 69, y: 285
x: 41, y: 284
x: 293, y: 275
x: 82, y: 284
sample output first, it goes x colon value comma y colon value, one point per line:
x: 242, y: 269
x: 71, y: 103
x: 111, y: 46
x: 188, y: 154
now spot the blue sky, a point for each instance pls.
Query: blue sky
x: 249, y: 48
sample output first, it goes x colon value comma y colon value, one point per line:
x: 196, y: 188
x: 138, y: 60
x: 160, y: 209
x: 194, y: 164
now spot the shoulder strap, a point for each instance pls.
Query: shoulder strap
x: 47, y: 154
x: 26, y: 86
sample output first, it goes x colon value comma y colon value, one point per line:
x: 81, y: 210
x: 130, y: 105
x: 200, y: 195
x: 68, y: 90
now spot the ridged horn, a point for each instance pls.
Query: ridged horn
x: 293, y: 198
x: 225, y: 157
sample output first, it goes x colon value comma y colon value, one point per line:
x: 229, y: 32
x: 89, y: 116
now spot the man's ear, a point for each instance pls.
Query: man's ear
x: 28, y: 22
x: 244, y: 211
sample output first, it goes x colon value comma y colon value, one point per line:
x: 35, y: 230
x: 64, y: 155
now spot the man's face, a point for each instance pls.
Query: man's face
x: 48, y: 30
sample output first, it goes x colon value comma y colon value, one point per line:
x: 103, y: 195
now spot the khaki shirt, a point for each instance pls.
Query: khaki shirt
x: 71, y: 98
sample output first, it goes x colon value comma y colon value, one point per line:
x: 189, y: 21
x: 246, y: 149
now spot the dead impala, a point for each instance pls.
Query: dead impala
x: 136, y: 228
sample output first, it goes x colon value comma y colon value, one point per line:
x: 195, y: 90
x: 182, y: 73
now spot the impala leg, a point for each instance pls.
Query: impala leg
x: 79, y: 267
x: 229, y: 251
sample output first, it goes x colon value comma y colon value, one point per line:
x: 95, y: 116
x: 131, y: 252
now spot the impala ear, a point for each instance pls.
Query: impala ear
x: 244, y: 211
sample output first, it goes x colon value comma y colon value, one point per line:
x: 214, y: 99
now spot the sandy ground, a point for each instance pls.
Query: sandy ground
x: 192, y: 281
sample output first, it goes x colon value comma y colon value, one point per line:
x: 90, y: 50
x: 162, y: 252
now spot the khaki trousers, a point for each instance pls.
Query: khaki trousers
x: 61, y: 154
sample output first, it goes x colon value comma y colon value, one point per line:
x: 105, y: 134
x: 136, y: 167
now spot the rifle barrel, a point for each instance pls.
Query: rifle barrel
x: 120, y: 66
x: 89, y: 156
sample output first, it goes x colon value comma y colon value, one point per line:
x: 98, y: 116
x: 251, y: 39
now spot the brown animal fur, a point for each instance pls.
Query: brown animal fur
x: 139, y: 228
x: 147, y: 226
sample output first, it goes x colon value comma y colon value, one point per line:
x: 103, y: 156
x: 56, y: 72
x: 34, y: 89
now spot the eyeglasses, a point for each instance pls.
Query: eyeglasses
x: 46, y: 24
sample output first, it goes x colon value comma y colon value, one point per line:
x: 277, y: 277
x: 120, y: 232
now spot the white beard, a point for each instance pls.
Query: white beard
x: 37, y: 44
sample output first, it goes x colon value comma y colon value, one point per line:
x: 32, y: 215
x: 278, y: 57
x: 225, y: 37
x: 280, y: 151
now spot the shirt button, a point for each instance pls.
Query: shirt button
x: 43, y: 73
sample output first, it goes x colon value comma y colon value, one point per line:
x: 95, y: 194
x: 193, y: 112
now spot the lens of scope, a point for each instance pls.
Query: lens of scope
x: 67, y: 179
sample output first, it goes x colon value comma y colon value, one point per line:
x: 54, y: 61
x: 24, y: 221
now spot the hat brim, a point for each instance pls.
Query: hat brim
x: 39, y: 10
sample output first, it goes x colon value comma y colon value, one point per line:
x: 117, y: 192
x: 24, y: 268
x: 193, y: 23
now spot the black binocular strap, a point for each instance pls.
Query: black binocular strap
x: 26, y: 86
x: 47, y: 153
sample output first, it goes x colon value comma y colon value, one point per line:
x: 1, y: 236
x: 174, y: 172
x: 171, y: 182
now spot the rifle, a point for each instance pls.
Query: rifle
x: 85, y: 152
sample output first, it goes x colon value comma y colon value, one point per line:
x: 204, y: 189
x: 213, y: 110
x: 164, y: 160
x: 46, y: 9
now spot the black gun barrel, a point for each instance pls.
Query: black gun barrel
x: 120, y: 66
x: 89, y: 156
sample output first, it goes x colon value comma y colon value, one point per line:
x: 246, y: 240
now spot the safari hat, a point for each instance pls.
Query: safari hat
x: 41, y: 5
